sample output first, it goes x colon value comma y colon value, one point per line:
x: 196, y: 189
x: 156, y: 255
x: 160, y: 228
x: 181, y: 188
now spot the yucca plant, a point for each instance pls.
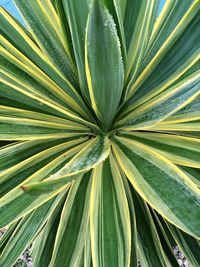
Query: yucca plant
x: 100, y: 132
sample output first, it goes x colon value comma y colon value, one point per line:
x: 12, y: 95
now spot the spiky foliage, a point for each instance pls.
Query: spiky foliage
x: 100, y: 101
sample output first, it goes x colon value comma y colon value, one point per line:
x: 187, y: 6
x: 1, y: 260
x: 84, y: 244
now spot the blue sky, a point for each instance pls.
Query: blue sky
x: 10, y: 7
x: 161, y: 5
x: 8, y: 4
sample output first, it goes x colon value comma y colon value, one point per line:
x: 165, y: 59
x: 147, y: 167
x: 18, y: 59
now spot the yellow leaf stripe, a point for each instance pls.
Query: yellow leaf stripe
x: 143, y: 186
x: 165, y: 47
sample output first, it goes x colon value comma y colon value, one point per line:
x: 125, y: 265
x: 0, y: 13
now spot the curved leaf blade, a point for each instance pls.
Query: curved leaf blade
x: 161, y: 184
x: 109, y: 217
x: 102, y: 52
x: 163, y: 105
x: 73, y: 225
x: 178, y: 149
x: 94, y: 152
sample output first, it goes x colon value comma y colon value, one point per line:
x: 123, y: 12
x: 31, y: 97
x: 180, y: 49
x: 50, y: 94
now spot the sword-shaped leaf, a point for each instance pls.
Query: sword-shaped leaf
x: 160, y: 183
x: 109, y: 217
x: 103, y: 62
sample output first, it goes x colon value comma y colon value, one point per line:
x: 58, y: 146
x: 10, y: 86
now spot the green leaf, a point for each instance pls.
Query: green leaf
x: 16, y: 203
x: 27, y: 48
x: 132, y: 211
x: 194, y: 174
x: 10, y: 95
x: 48, y: 185
x: 7, y: 234
x: 172, y: 48
x: 73, y: 222
x: 163, y: 105
x: 21, y: 68
x: 21, y: 205
x: 161, y: 184
x: 46, y: 34
x: 117, y: 10
x: 186, y: 128
x: 100, y: 132
x: 77, y: 15
x: 64, y: 29
x: 187, y: 244
x: 109, y: 217
x: 167, y: 240
x: 166, y: 76
x: 189, y: 113
x: 104, y: 67
x: 94, y: 152
x: 142, y: 17
x: 18, y: 87
x: 20, y: 161
x: 20, y: 118
x: 44, y: 242
x: 130, y: 19
x: 25, y: 232
x: 29, y: 130
x: 87, y: 257
x: 61, y: 151
x: 36, y: 81
x: 149, y: 245
x: 178, y: 149
x: 167, y: 21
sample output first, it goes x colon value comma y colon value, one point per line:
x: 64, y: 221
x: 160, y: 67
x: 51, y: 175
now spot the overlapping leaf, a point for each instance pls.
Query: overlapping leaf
x: 160, y: 183
x: 100, y: 132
